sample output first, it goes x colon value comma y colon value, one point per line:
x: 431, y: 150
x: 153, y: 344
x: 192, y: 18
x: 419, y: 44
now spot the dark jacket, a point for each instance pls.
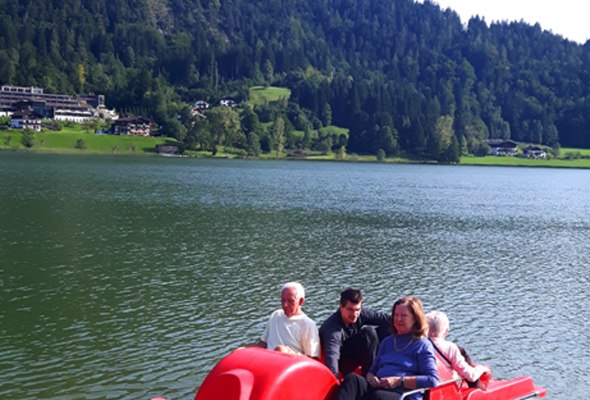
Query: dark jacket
x: 333, y: 333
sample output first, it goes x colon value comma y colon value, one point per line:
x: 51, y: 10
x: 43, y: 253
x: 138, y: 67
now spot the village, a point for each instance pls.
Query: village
x: 29, y: 107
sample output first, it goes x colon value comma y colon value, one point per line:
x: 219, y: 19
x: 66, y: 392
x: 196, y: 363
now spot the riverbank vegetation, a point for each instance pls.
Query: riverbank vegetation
x: 404, y: 79
x: 75, y: 139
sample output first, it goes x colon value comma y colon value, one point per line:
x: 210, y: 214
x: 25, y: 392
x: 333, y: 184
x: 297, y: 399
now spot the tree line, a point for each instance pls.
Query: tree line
x: 404, y: 77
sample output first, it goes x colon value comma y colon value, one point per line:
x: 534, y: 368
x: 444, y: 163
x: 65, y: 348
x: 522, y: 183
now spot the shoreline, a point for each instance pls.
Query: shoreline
x: 518, y: 162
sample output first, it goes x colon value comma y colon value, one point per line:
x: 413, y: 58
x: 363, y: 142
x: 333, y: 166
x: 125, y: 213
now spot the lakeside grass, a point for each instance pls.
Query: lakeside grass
x: 64, y: 141
x: 565, y: 150
x: 526, y: 162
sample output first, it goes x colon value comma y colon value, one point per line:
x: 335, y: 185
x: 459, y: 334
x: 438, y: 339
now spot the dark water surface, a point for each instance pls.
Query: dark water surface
x: 127, y: 278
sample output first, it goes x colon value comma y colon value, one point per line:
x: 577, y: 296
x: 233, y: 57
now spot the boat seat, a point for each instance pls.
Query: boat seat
x: 260, y: 374
x: 516, y: 388
x: 447, y: 390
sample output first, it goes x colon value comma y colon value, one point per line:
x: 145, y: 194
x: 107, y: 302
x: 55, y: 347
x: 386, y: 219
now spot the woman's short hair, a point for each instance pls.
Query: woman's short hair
x: 438, y: 323
x: 414, y: 304
x: 299, y: 290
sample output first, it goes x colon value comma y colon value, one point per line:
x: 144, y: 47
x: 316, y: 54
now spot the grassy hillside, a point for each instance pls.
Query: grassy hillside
x: 260, y: 95
x: 334, y: 129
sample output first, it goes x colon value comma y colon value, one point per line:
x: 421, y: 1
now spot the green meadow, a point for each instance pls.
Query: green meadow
x: 564, y: 151
x: 526, y: 162
x: 334, y: 129
x: 75, y: 140
x: 260, y: 95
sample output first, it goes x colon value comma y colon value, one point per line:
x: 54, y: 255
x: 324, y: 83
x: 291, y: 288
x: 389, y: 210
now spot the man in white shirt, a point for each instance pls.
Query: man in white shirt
x: 289, y: 330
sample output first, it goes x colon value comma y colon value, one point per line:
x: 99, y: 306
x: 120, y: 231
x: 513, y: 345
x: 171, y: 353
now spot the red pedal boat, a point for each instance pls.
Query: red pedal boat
x: 258, y: 374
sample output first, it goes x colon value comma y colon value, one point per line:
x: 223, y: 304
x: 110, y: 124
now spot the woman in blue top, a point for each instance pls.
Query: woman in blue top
x: 405, y: 360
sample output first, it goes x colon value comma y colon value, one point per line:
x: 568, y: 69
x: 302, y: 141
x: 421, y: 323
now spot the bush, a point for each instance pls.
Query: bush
x: 52, y: 125
x: 322, y: 147
x: 573, y: 155
x: 80, y: 144
x: 28, y: 138
x: 482, y: 150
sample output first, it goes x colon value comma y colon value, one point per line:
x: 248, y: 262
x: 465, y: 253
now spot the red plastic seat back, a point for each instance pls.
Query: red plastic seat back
x: 259, y: 374
x: 448, y: 390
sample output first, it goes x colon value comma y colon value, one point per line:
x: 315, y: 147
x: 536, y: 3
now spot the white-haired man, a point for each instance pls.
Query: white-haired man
x: 289, y: 330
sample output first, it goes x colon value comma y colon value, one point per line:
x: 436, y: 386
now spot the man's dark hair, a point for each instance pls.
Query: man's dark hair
x: 352, y: 295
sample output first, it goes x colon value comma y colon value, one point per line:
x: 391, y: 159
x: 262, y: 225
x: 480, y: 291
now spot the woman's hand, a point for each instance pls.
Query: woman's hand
x: 390, y: 382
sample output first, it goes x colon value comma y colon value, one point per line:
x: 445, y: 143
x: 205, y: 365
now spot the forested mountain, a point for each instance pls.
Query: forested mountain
x: 402, y: 76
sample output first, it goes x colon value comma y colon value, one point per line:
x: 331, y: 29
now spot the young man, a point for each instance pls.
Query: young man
x: 350, y: 337
x: 289, y: 330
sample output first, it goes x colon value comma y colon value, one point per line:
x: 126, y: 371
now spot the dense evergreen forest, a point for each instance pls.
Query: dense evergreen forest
x: 404, y: 77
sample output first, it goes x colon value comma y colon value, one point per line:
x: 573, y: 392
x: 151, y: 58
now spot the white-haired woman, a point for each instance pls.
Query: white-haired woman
x: 450, y: 356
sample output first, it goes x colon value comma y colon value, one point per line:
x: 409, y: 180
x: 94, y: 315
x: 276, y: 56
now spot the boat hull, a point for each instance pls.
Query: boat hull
x: 259, y: 374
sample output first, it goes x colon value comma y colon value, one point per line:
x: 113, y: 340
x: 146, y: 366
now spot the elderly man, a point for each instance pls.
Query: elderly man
x: 289, y: 330
x: 351, y: 335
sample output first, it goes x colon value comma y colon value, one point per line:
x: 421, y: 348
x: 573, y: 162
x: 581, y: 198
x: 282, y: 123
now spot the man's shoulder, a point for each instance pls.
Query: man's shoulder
x: 370, y: 316
x: 308, y: 320
x: 370, y: 312
x: 277, y: 314
x: 302, y: 318
x: 333, y: 322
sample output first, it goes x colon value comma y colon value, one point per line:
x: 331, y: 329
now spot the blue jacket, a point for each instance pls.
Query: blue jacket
x: 398, y: 357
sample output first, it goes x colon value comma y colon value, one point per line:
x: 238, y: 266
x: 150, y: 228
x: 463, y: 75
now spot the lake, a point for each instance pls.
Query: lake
x: 130, y: 277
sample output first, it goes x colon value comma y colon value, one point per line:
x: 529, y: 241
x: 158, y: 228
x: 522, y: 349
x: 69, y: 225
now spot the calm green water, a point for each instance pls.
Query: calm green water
x: 127, y: 278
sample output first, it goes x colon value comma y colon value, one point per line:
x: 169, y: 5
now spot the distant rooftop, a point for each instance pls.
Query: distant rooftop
x: 11, y: 94
x: 21, y: 89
